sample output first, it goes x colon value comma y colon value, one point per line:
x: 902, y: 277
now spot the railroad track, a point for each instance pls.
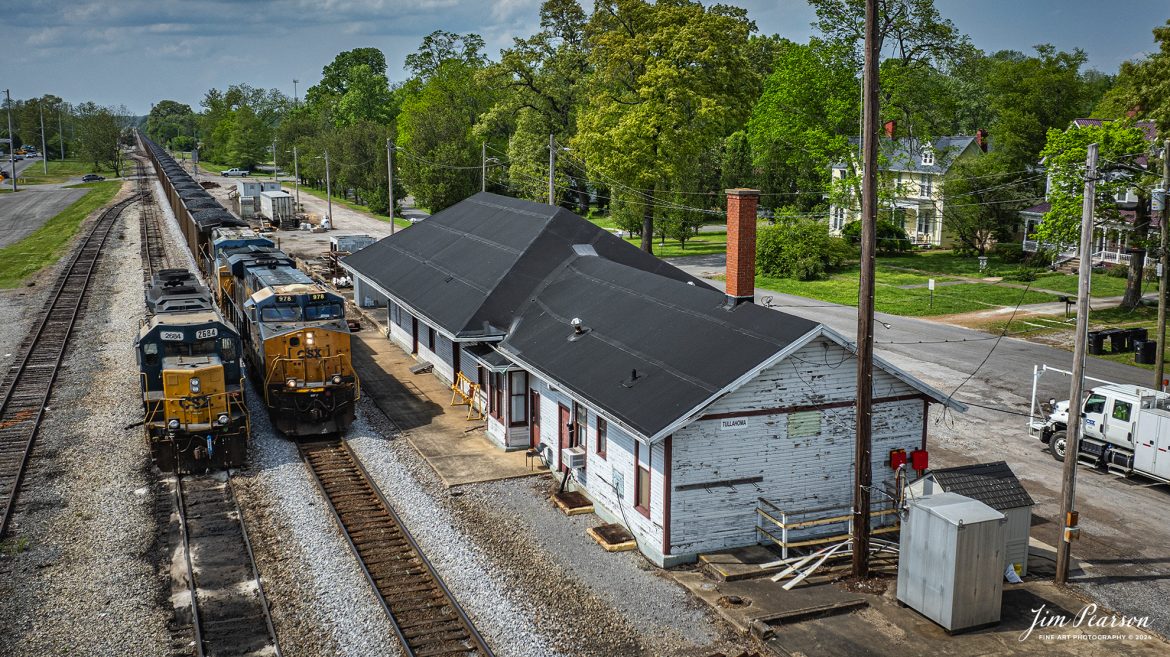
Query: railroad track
x: 228, y: 613
x: 28, y: 383
x: 426, y: 617
x: 154, y: 251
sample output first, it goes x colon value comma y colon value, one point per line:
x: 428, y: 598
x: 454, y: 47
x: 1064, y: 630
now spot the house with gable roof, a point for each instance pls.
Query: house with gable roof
x: 675, y: 407
x: 915, y: 170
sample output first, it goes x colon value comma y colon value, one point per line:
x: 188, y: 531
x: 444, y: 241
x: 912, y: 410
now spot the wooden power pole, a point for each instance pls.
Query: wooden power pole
x: 1068, y: 486
x: 1164, y: 278
x: 862, y: 475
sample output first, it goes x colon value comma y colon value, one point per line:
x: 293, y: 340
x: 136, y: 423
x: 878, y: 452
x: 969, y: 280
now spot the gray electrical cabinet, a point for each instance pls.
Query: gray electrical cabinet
x: 951, y: 565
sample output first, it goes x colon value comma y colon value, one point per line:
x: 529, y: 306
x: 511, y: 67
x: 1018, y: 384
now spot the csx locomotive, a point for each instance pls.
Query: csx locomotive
x: 189, y: 363
x: 295, y: 335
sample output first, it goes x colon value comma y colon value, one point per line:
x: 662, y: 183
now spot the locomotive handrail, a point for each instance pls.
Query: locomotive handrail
x: 320, y: 366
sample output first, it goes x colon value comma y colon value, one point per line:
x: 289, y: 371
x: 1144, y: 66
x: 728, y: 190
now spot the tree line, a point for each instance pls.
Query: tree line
x: 87, y: 131
x: 653, y: 108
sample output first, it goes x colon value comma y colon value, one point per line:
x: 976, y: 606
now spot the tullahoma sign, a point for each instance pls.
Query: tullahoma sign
x: 732, y: 423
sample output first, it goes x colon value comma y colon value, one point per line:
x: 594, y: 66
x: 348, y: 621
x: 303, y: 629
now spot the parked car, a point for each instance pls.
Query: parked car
x: 235, y: 172
x: 92, y: 177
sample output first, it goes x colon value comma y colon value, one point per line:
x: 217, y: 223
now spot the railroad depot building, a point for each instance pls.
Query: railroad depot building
x: 680, y: 409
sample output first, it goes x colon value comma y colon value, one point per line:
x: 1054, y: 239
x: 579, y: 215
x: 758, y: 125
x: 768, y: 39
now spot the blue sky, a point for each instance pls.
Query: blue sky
x: 135, y: 52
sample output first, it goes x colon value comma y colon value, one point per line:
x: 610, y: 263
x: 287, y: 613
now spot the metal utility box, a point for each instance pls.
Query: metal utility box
x: 255, y: 187
x: 350, y: 243
x: 951, y: 566
x: 277, y: 206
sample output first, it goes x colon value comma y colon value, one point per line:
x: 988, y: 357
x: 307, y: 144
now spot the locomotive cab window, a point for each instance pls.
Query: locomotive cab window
x: 228, y: 349
x: 150, y: 353
x: 280, y: 314
x: 324, y: 311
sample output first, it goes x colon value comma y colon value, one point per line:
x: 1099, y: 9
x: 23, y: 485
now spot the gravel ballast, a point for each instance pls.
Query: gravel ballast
x: 529, y: 577
x: 80, y: 576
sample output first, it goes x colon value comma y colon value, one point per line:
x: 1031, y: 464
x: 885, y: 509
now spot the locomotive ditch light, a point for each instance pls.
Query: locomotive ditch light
x: 195, y: 384
x: 222, y: 419
x: 292, y: 383
x: 173, y: 425
x: 336, y: 379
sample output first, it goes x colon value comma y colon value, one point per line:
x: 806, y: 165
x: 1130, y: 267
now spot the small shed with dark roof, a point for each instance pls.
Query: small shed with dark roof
x: 995, y: 485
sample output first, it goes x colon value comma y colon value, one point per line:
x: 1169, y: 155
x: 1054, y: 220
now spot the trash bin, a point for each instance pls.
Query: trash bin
x: 1136, y: 334
x: 1119, y: 342
x: 1096, y: 342
x: 1145, y: 352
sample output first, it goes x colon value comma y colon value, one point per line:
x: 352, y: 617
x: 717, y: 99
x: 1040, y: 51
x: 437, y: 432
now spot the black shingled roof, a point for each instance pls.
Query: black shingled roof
x: 994, y: 484
x: 493, y: 266
x: 469, y: 268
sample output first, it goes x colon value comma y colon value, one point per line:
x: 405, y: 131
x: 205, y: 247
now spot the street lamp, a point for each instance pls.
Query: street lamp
x: 328, y: 192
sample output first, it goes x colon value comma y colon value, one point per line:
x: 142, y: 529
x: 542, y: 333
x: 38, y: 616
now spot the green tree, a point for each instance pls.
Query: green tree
x: 983, y: 200
x: 170, y: 119
x: 1064, y: 158
x: 440, y: 107
x: 799, y: 249
x: 1149, y: 82
x: 99, y: 133
x: 669, y: 81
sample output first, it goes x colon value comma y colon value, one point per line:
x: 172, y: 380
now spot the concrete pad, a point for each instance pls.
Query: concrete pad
x: 613, y: 537
x: 419, y: 404
x: 572, y: 503
x: 741, y: 563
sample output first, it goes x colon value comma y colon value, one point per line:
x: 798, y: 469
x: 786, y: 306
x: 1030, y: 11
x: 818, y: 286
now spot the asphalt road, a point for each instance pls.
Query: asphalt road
x: 25, y: 211
x: 1125, y: 547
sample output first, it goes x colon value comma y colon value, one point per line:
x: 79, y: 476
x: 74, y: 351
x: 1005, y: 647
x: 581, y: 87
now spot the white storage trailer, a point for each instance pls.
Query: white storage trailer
x: 951, y: 561
x: 277, y: 206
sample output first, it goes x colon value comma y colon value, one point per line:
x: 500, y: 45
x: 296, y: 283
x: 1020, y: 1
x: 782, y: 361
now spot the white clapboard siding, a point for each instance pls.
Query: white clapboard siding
x: 821, y: 372
x: 794, y: 473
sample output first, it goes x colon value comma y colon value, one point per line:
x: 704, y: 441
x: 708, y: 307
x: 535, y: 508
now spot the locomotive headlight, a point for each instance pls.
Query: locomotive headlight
x: 222, y: 419
x: 309, y: 337
x: 336, y: 379
x: 195, y: 384
x: 173, y: 425
x: 292, y: 383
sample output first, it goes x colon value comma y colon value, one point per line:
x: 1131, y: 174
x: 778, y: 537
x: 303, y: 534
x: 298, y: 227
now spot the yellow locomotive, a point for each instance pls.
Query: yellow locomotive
x: 295, y: 335
x: 189, y: 363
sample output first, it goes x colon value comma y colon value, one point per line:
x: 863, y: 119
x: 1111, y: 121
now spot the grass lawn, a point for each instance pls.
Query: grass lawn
x: 841, y: 288
x: 61, y: 171
x: 1103, y: 286
x: 47, y: 244
x: 701, y: 244
x: 320, y: 193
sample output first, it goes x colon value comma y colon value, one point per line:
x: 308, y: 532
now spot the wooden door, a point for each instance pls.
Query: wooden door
x: 563, y: 433
x: 414, y: 335
x: 534, y: 420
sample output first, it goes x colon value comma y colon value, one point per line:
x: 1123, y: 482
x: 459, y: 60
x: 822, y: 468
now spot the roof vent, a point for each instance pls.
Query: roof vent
x: 584, y: 250
x: 579, y: 329
x: 634, y: 377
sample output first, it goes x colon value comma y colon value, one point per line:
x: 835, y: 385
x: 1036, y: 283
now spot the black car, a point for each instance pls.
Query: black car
x: 92, y: 177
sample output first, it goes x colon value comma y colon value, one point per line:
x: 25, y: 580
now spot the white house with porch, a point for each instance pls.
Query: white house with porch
x: 680, y: 411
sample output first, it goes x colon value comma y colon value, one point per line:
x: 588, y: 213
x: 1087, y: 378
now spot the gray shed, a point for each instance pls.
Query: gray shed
x: 995, y: 485
x: 950, y: 567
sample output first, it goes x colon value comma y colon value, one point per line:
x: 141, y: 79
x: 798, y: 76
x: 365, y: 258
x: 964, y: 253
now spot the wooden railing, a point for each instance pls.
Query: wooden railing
x: 464, y: 392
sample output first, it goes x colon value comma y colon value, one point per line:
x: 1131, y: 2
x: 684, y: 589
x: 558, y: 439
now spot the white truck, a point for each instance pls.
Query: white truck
x: 235, y: 172
x: 1125, y: 430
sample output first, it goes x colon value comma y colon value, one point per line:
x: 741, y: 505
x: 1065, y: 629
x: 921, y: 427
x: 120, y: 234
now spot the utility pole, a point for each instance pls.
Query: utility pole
x: 328, y: 192
x: 862, y: 475
x: 483, y: 166
x: 61, y: 131
x: 297, y: 177
x: 44, y: 156
x: 1072, y: 443
x: 296, y: 102
x: 1164, y: 279
x: 390, y: 180
x: 11, y: 144
x: 275, y: 174
x: 552, y: 169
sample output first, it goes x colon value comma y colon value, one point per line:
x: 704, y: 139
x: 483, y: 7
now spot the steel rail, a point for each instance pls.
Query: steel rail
x: 30, y: 386
x: 418, y: 581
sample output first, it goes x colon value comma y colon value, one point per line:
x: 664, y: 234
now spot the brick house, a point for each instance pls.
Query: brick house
x: 674, y: 407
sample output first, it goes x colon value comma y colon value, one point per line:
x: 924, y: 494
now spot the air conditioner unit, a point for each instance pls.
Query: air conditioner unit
x: 573, y: 457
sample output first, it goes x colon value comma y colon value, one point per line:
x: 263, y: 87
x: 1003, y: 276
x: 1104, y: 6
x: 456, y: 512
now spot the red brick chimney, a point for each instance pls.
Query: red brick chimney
x: 891, y: 128
x: 741, y: 245
x: 981, y: 139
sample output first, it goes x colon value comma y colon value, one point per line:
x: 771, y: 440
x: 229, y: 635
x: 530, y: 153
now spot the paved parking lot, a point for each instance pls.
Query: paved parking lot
x: 28, y: 209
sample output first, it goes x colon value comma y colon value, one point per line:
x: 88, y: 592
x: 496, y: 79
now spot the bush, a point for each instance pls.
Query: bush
x: 890, y: 238
x: 1010, y: 252
x: 800, y: 249
x: 1120, y: 271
